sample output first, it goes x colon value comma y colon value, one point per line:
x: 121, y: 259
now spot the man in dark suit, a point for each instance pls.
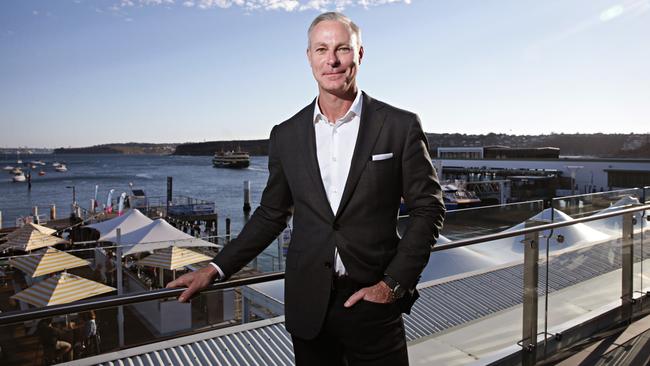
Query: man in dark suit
x: 342, y: 164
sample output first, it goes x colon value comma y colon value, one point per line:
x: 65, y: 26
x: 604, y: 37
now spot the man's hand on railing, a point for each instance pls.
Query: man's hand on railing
x: 194, y: 281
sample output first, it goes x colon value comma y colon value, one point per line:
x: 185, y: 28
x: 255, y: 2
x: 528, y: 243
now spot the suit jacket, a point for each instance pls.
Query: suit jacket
x: 363, y: 229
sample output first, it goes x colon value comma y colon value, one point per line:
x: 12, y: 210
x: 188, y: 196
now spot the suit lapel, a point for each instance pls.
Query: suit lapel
x: 307, y: 136
x: 372, y: 120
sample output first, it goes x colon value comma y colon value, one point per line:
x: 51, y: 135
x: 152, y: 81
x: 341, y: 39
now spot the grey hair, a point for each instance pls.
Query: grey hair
x: 337, y: 17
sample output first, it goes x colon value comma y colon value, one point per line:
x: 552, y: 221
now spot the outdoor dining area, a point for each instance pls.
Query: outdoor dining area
x: 133, y: 253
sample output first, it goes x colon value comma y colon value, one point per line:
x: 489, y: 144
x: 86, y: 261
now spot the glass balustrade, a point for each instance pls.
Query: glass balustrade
x: 476, y: 300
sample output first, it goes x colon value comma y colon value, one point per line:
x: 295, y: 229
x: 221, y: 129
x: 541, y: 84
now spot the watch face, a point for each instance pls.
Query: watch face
x: 398, y: 292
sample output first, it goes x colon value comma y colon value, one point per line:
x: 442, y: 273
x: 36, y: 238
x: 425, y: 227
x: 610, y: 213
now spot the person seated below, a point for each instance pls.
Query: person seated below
x: 51, y: 338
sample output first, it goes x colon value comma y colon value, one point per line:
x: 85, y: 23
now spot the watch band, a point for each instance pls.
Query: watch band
x: 395, y: 287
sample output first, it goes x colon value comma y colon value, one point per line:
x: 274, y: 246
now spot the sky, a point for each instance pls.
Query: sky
x: 85, y: 72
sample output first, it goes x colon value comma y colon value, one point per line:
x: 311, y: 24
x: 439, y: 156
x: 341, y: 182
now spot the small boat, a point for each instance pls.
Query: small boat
x: 16, y: 170
x: 231, y: 159
x: 456, y: 196
x: 8, y: 168
x: 41, y: 173
x: 61, y: 168
x: 56, y: 163
x: 19, y: 177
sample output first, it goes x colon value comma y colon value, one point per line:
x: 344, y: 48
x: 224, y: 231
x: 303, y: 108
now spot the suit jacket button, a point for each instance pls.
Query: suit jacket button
x: 327, y: 265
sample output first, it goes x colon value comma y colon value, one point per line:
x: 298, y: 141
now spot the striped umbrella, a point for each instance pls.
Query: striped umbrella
x: 61, y: 289
x: 47, y: 261
x: 30, y: 237
x: 173, y: 258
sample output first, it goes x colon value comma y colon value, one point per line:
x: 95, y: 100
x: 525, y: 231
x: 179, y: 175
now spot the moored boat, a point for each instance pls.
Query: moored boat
x: 61, y: 168
x: 19, y: 177
x: 456, y: 196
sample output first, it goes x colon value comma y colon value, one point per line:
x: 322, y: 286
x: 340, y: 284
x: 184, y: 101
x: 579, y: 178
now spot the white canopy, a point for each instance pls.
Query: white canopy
x: 158, y: 234
x: 613, y: 225
x: 455, y: 261
x: 132, y: 220
x: 511, y: 249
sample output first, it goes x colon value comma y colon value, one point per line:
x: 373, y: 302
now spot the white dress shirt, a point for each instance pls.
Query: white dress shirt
x: 335, y: 142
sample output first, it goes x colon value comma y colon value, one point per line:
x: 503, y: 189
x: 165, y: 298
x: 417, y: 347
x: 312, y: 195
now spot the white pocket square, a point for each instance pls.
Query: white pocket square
x: 382, y: 156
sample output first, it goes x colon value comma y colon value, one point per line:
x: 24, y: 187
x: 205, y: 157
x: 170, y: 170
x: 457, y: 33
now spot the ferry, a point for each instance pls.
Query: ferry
x: 231, y: 159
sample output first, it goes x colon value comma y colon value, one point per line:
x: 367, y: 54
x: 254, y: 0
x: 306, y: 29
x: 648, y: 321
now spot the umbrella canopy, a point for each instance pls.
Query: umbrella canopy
x: 158, y: 235
x: 30, y: 237
x: 61, y: 289
x: 130, y: 221
x: 47, y: 261
x: 173, y: 258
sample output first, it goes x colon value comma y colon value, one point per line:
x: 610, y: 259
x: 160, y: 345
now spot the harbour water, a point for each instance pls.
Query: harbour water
x: 193, y: 176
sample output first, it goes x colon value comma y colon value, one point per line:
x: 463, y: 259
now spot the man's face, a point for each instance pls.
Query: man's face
x: 334, y: 55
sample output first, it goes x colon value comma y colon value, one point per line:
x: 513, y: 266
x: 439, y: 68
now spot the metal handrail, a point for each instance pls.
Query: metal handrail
x: 510, y: 234
x: 117, y: 300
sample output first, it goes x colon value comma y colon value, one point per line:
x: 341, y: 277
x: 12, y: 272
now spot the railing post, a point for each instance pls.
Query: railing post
x: 531, y: 274
x: 280, y: 247
x: 627, y: 263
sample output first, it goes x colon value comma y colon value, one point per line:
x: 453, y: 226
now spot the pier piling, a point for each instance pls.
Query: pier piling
x: 0, y: 219
x: 35, y: 214
x: 247, y: 196
x: 227, y: 230
x: 52, y: 212
x: 169, y: 195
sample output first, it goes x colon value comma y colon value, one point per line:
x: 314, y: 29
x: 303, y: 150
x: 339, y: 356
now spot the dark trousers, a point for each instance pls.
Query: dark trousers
x: 365, y: 334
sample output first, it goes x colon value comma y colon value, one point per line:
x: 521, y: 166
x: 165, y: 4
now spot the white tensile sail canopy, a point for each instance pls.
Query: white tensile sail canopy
x: 159, y: 234
x: 130, y: 221
x: 614, y: 225
x: 512, y: 249
x: 455, y: 261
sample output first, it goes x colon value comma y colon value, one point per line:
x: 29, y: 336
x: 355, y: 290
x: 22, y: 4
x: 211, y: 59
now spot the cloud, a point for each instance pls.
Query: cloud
x: 286, y: 5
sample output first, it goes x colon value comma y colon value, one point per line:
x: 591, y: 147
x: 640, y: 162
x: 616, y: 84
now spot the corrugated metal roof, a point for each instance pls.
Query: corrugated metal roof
x: 268, y: 343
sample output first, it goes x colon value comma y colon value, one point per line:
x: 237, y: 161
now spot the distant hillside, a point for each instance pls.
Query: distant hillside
x: 130, y: 148
x: 254, y: 147
x: 597, y: 145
